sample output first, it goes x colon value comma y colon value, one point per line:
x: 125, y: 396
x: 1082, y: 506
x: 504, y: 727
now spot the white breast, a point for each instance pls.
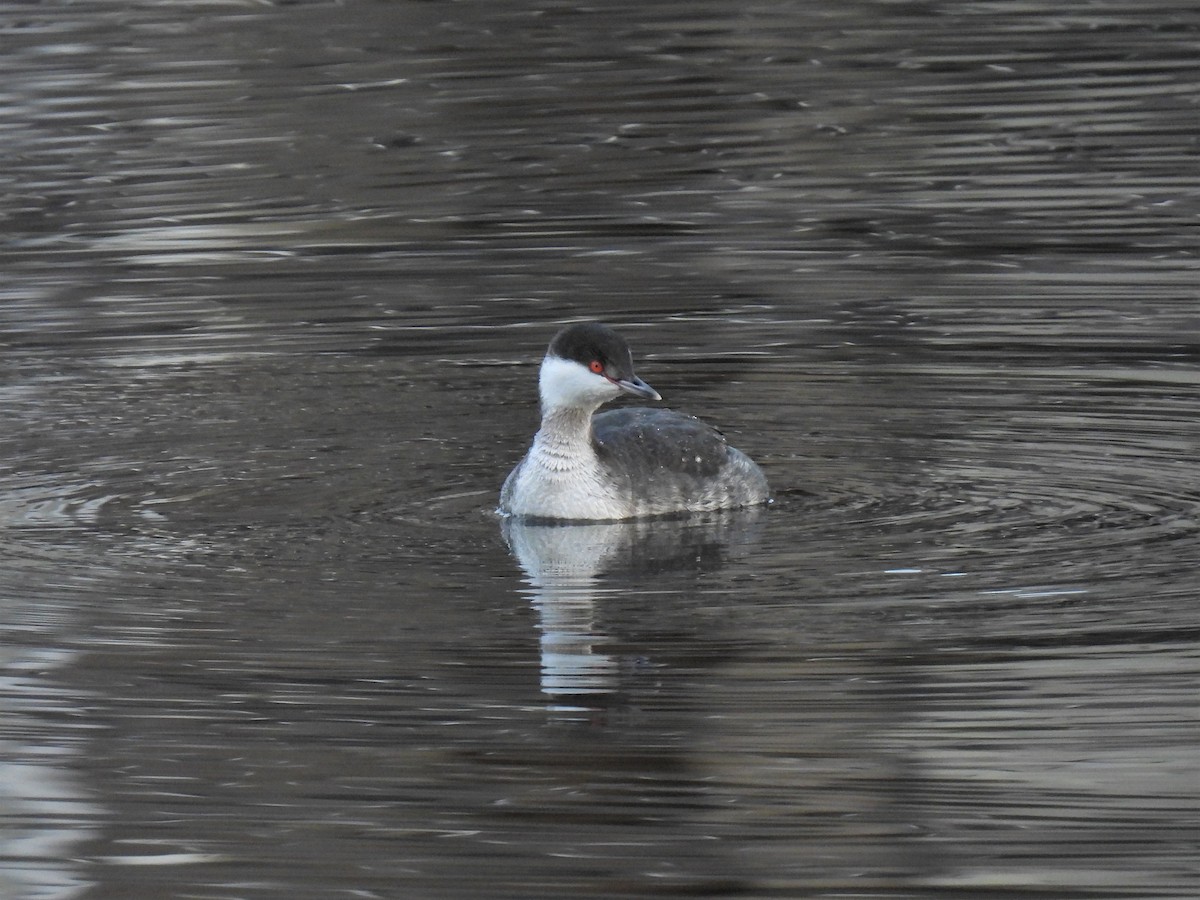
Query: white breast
x: 550, y: 485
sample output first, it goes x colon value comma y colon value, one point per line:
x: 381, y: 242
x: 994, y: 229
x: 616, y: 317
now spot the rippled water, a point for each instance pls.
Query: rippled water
x: 276, y: 283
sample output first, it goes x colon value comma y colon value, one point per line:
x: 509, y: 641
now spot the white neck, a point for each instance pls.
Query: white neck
x: 561, y: 476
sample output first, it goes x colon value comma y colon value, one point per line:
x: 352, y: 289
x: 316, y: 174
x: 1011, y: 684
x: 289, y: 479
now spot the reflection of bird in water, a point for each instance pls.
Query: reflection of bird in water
x: 625, y: 463
x: 564, y: 565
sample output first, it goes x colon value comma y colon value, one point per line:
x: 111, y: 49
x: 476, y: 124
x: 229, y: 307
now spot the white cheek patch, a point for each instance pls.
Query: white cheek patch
x: 564, y: 382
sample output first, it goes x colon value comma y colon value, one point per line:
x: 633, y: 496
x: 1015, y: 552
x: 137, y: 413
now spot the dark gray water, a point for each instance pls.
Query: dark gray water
x: 276, y: 282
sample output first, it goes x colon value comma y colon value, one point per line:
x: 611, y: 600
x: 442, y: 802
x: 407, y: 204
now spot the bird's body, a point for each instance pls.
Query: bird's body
x: 623, y: 464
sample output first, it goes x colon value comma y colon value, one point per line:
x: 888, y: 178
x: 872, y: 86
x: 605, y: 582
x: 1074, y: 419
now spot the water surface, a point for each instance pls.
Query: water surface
x: 277, y: 280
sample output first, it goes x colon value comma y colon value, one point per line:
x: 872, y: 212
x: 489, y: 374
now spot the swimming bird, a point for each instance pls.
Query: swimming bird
x: 626, y: 463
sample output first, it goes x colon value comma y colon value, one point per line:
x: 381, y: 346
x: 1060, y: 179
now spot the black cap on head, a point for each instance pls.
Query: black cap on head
x: 590, y: 341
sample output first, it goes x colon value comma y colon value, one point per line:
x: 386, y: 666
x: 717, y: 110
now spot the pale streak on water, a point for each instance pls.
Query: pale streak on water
x: 276, y: 280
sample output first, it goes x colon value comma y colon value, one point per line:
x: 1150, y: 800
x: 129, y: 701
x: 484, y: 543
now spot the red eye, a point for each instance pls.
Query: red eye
x: 596, y: 366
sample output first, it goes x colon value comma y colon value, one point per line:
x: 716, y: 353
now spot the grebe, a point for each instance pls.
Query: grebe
x: 626, y: 463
